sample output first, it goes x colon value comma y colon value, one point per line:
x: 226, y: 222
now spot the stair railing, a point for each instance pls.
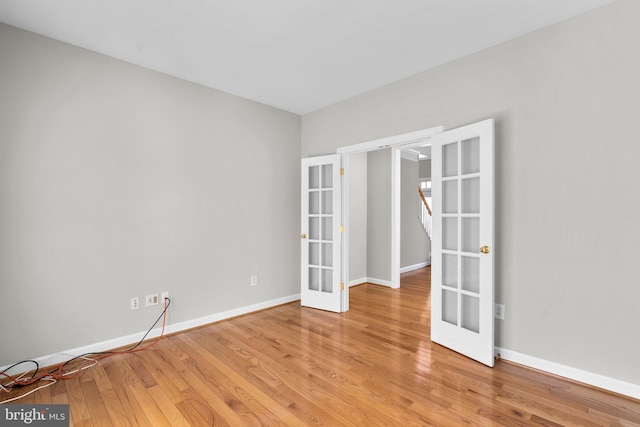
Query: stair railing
x: 425, y: 213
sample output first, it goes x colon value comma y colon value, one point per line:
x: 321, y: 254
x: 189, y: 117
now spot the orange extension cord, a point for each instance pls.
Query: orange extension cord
x: 58, y: 374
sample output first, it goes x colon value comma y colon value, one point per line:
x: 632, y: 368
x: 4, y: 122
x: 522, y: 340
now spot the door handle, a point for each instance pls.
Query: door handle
x: 484, y: 250
x: 303, y: 236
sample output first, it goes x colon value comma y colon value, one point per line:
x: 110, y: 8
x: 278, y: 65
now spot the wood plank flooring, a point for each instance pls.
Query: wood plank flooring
x: 289, y: 366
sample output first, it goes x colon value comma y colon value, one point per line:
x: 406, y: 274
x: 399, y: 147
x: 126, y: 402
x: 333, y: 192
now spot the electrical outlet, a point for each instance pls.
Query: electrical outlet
x: 151, y: 300
x: 499, y: 311
x: 254, y: 280
x: 135, y: 303
x: 163, y: 296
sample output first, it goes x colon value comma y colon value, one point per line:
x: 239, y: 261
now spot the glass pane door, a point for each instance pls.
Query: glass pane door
x: 321, y: 238
x: 462, y: 265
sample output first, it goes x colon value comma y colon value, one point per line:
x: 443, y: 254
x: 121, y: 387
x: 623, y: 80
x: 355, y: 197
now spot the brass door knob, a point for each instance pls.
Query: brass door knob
x: 484, y: 250
x: 303, y: 236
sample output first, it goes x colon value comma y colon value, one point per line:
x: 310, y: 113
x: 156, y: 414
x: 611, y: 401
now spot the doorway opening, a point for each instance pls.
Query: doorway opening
x: 395, y: 145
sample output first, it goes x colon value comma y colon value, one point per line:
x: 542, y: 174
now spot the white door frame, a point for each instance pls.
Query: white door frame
x: 397, y: 143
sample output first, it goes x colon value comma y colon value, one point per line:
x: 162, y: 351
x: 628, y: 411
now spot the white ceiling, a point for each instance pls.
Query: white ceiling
x: 298, y: 55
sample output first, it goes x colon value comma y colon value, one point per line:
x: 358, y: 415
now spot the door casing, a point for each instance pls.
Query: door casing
x: 397, y: 143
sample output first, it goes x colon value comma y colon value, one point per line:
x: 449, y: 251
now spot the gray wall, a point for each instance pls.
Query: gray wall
x: 566, y: 101
x: 414, y: 243
x: 357, y: 217
x: 424, y: 168
x: 116, y: 181
x: 379, y: 215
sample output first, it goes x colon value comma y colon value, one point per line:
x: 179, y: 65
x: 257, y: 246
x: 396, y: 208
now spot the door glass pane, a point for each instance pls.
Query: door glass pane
x: 314, y: 177
x: 471, y: 155
x: 450, y: 196
x: 327, y: 280
x: 327, y: 176
x: 327, y: 228
x: 470, y: 235
x: 327, y: 254
x: 471, y: 274
x: 314, y: 253
x: 471, y: 195
x: 314, y: 203
x: 314, y: 228
x: 450, y: 234
x: 314, y: 279
x: 450, y: 270
x: 450, y: 307
x: 327, y: 202
x: 450, y: 159
x: 471, y: 313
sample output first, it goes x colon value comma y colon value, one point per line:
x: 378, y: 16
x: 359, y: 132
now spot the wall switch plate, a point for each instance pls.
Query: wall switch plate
x: 151, y: 300
x: 254, y: 280
x: 135, y: 303
x: 499, y: 311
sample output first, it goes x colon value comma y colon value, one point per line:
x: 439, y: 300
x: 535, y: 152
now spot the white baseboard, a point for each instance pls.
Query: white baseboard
x: 597, y: 380
x: 380, y: 282
x: 359, y: 281
x: 371, y: 280
x: 414, y: 267
x: 54, y: 359
x: 189, y: 324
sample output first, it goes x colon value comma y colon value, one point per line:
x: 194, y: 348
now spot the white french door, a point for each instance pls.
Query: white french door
x: 462, y: 295
x: 321, y: 237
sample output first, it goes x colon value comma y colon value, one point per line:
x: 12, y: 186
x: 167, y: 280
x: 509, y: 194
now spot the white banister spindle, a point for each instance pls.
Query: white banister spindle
x: 425, y: 219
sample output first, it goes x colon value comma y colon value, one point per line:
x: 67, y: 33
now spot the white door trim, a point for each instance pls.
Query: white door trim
x: 391, y: 141
x: 397, y: 143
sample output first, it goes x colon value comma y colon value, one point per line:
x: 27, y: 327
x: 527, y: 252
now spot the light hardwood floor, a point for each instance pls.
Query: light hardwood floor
x: 289, y: 366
